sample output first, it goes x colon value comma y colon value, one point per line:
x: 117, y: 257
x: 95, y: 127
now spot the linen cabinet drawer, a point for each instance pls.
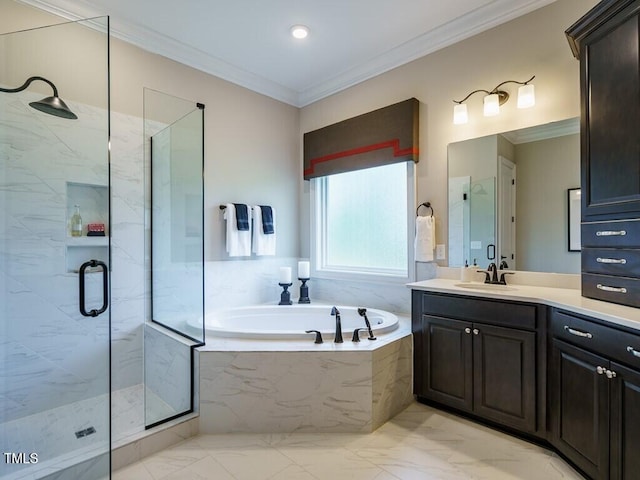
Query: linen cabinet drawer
x: 609, y: 288
x: 619, y: 345
x: 622, y: 234
x: 612, y: 261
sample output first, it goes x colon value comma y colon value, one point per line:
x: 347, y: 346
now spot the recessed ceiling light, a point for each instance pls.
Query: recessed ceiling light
x: 299, y: 31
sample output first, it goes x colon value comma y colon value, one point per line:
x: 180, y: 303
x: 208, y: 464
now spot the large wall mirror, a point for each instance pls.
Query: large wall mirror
x: 508, y: 198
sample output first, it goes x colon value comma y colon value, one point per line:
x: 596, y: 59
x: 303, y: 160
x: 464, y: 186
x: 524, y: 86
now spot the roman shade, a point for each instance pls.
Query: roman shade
x: 384, y: 136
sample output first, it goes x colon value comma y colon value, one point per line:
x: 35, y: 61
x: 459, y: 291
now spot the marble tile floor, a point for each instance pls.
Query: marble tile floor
x: 420, y: 443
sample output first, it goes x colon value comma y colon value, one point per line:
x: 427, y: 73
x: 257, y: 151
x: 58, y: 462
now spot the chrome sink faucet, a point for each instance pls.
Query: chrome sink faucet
x: 338, y: 338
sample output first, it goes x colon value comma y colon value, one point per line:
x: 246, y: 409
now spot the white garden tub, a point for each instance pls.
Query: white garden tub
x: 291, y: 321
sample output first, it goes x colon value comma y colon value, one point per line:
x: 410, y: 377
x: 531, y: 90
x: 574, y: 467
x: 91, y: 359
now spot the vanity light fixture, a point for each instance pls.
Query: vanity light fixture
x: 299, y: 31
x: 495, y: 98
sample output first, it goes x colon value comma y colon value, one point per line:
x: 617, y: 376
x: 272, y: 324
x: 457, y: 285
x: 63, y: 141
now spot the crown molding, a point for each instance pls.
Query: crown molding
x: 561, y: 128
x: 472, y: 23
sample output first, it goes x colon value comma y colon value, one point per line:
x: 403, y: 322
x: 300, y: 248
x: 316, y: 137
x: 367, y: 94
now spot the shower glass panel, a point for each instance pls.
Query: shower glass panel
x: 174, y: 149
x: 54, y: 286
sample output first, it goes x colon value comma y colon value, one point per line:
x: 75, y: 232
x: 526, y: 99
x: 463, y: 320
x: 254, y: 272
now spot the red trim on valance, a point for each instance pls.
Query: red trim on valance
x: 393, y: 144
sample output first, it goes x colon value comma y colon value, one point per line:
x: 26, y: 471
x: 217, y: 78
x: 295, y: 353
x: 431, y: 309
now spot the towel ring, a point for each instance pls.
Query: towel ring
x: 425, y: 204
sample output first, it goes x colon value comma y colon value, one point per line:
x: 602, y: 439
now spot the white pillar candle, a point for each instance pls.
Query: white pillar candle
x: 303, y: 269
x: 285, y: 274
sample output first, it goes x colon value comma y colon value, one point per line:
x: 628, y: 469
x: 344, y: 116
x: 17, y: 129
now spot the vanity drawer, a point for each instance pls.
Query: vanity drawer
x: 609, y: 288
x: 616, y: 344
x: 496, y: 312
x: 623, y: 234
x: 612, y: 261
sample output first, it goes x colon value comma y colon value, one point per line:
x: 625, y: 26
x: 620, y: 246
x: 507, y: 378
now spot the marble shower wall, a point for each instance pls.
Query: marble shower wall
x: 45, y: 337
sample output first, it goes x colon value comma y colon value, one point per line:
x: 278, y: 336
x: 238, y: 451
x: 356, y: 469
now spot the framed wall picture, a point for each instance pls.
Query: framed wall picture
x: 573, y: 197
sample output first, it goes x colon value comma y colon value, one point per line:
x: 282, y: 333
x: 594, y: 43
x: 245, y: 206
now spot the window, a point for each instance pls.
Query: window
x: 362, y: 223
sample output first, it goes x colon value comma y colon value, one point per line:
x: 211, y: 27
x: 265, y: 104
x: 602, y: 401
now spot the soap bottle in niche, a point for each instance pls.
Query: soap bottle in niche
x: 76, y: 223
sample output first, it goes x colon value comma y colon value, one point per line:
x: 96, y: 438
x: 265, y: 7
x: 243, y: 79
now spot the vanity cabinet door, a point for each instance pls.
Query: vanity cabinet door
x: 504, y: 376
x: 447, y: 361
x: 579, y: 407
x: 625, y: 423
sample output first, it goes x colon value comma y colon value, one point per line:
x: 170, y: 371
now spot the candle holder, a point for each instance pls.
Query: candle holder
x: 304, y: 291
x: 285, y: 296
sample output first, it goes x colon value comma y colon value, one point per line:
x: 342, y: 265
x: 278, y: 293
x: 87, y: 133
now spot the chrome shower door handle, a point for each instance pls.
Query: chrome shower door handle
x: 105, y: 288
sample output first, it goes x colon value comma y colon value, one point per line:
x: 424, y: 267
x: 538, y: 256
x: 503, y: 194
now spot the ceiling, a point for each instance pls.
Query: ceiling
x: 247, y: 42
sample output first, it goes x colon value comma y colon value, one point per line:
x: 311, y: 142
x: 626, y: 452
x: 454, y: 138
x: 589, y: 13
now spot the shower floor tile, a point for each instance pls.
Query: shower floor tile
x: 420, y: 443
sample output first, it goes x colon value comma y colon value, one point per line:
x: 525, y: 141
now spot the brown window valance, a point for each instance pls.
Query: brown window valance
x: 384, y: 136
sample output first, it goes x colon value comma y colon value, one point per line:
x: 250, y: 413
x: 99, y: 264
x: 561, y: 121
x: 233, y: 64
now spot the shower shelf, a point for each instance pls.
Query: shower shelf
x: 87, y: 242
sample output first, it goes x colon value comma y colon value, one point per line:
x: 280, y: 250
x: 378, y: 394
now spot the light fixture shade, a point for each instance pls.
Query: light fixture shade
x: 491, y: 105
x: 526, y: 96
x: 460, y: 115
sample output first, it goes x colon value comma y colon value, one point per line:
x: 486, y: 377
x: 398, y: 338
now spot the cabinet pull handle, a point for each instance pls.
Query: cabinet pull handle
x: 615, y: 261
x: 607, y: 288
x: 611, y: 233
x: 468, y: 330
x: 633, y: 352
x: 476, y: 331
x: 577, y: 333
x: 600, y: 370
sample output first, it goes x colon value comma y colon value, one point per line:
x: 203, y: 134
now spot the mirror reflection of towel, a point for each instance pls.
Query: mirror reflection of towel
x: 425, y: 241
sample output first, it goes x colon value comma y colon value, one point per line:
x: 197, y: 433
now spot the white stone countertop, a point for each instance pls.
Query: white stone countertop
x: 566, y: 298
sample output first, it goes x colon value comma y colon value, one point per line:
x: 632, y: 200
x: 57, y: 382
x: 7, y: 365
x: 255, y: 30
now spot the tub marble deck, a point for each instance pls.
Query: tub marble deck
x: 256, y: 386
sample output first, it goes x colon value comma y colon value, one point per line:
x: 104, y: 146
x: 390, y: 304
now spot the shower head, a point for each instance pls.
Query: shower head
x: 51, y: 105
x: 54, y: 106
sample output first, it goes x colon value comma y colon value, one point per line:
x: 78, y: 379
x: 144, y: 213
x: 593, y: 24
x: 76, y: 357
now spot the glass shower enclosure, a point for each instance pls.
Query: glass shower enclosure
x: 54, y: 267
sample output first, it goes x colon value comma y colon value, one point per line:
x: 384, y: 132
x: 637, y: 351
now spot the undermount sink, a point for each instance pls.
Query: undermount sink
x: 493, y: 287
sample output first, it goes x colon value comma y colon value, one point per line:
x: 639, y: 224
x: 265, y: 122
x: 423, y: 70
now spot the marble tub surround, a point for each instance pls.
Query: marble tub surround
x: 566, y: 298
x: 252, y: 386
x: 419, y: 443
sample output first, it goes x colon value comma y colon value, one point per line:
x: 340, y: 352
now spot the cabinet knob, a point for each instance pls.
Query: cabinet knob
x: 611, y: 374
x: 600, y: 370
x: 476, y: 331
x: 467, y: 330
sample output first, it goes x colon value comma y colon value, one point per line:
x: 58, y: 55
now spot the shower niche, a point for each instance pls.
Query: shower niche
x: 93, y: 202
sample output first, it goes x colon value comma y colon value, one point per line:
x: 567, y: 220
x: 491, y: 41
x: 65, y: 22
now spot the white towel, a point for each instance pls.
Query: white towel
x: 425, y: 241
x: 263, y: 244
x: 238, y: 241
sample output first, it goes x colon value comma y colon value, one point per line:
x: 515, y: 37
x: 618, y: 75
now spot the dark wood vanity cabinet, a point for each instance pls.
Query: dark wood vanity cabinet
x: 594, y: 396
x: 607, y: 43
x: 478, y: 356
